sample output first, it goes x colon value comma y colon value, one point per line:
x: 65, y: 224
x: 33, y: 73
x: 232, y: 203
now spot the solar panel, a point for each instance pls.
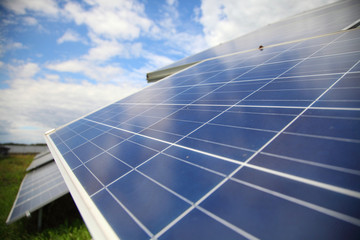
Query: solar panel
x: 327, y: 19
x: 40, y: 160
x: 41, y: 154
x: 256, y: 144
x: 38, y: 188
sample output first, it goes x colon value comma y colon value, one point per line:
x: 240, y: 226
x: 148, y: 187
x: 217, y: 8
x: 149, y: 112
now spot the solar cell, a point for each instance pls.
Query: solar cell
x: 261, y: 144
x: 38, y: 188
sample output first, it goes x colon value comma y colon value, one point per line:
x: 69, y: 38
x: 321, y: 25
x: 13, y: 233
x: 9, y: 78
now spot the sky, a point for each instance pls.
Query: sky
x: 60, y: 60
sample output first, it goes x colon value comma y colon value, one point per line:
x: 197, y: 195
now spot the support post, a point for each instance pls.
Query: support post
x: 40, y: 213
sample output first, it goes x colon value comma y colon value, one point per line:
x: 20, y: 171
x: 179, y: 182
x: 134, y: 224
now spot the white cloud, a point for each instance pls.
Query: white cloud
x: 70, y: 36
x: 97, y: 72
x: 124, y: 20
x: 9, y: 46
x: 168, y: 29
x: 48, y: 7
x: 30, y: 21
x: 227, y: 19
x: 31, y: 106
x: 23, y: 70
x: 104, y: 50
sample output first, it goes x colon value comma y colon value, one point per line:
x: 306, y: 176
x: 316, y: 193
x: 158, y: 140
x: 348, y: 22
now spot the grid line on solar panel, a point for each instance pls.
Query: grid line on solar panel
x: 280, y: 131
x: 241, y: 164
x: 318, y: 208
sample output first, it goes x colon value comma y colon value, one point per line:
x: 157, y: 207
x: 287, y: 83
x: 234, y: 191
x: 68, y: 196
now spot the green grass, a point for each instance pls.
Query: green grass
x: 61, y: 219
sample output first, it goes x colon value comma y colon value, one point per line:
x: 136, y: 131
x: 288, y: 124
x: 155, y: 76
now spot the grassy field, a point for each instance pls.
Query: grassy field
x: 61, y: 219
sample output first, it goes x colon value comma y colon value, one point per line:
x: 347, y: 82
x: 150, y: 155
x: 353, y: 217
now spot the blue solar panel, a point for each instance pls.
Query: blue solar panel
x: 262, y: 144
x: 38, y: 188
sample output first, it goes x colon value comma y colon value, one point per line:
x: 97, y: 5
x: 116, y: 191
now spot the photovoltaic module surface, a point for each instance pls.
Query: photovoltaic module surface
x: 40, y: 160
x: 255, y: 144
x: 38, y: 188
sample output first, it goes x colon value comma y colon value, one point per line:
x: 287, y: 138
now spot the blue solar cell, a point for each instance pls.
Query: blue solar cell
x: 336, y: 94
x: 202, y: 160
x: 119, y: 220
x: 223, y: 98
x: 197, y: 225
x: 62, y: 148
x: 75, y: 141
x: 232, y: 152
x: 164, y: 136
x: 71, y: 160
x: 91, y: 133
x: 81, y: 128
x: 311, y: 194
x: 254, y: 120
x: 318, y: 82
x: 341, y: 177
x: 107, y: 140
x: 319, y: 150
x: 65, y: 133
x: 243, y: 206
x: 196, y: 115
x: 107, y: 168
x: 183, y: 178
x: 134, y: 157
x: 325, y: 65
x: 88, y: 181
x: 292, y: 94
x: 330, y: 127
x: 154, y: 144
x: 154, y: 206
x: 233, y: 136
x: 177, y: 127
x: 243, y: 85
x: 87, y: 151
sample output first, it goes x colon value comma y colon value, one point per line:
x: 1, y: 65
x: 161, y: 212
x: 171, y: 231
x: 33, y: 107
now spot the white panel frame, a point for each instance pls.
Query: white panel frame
x: 98, y: 227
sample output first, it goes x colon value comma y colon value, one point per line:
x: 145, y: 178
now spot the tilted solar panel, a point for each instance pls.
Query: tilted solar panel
x: 41, y: 160
x: 41, y: 154
x: 259, y: 144
x: 38, y: 188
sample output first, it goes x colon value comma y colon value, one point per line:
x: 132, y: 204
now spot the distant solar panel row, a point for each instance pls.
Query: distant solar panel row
x: 263, y: 144
x: 40, y: 160
x: 38, y: 188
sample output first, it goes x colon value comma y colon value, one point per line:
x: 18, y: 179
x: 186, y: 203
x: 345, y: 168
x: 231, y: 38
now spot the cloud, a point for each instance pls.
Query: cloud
x: 9, y: 46
x: 170, y: 29
x: 98, y: 72
x: 37, y: 104
x: 23, y: 70
x: 227, y: 19
x: 47, y: 7
x: 70, y: 36
x: 123, y: 20
x: 104, y: 50
x: 30, y: 21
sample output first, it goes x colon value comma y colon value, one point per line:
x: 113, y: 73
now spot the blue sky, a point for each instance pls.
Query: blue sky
x: 62, y: 59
